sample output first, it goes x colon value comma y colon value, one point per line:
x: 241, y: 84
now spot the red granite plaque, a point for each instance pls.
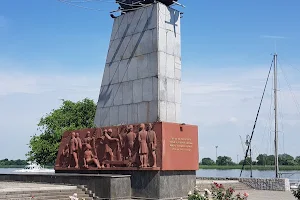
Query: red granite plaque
x: 157, y: 146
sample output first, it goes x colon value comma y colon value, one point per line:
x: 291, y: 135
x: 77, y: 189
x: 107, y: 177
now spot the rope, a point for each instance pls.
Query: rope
x: 256, y: 118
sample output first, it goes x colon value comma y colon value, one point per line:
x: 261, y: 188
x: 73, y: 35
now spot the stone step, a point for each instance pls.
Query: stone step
x: 38, y: 193
x: 37, y: 190
x: 44, y: 195
x: 51, y: 198
x: 51, y: 194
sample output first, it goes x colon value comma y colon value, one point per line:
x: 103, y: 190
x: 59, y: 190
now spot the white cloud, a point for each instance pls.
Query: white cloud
x: 273, y: 37
x: 222, y: 102
x: 233, y: 119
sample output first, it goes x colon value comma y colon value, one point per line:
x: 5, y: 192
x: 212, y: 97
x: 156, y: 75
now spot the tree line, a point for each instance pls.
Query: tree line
x: 6, y: 162
x: 261, y: 159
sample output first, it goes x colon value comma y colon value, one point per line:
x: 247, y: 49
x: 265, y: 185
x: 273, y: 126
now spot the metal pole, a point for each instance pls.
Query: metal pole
x: 250, y: 162
x: 275, y: 110
x: 216, y: 154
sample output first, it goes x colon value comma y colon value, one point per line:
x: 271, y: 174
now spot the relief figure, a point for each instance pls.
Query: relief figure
x: 90, y: 158
x: 152, y: 145
x: 143, y: 150
x: 73, y: 152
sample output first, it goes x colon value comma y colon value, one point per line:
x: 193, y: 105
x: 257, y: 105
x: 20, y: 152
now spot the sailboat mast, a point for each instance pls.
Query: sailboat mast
x: 275, y: 112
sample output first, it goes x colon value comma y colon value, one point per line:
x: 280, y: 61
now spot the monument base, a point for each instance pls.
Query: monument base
x: 121, y: 184
x: 147, y: 184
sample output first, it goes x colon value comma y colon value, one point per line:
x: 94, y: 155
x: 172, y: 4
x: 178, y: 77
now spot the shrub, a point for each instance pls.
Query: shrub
x: 218, y: 192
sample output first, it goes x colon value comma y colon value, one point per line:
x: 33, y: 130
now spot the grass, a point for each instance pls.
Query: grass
x: 247, y: 167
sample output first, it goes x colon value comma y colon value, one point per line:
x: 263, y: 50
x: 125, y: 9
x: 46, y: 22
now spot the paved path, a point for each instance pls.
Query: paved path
x: 21, y: 186
x: 268, y: 195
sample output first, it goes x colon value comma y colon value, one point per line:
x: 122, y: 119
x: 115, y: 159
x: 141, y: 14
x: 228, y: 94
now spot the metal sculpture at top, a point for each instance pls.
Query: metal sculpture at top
x: 129, y: 5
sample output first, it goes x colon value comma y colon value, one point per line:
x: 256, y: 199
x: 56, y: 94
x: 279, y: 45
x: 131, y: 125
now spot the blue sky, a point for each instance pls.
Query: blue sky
x: 50, y: 50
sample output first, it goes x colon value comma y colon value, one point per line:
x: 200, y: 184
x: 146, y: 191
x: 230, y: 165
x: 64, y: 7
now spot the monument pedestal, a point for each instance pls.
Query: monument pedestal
x: 176, y: 154
x: 147, y: 184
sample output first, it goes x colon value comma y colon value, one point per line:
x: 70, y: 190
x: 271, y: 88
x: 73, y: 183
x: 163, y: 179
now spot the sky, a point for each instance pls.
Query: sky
x: 50, y: 50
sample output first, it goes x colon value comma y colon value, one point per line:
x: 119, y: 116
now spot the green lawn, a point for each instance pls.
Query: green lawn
x: 254, y: 167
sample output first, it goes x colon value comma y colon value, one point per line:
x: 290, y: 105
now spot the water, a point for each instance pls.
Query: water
x: 235, y: 173
x: 8, y: 170
x: 232, y: 173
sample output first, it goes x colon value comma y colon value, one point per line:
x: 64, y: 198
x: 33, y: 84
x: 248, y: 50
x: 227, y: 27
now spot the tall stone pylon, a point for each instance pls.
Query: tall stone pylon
x: 142, y: 75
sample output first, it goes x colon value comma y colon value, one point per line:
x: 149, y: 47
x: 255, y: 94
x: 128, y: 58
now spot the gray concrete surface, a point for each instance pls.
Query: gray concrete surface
x: 142, y: 75
x: 21, y: 186
x: 268, y: 195
x: 107, y: 186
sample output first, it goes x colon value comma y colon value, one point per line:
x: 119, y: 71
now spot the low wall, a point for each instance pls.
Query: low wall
x: 279, y: 184
x: 217, y: 178
x: 103, y: 185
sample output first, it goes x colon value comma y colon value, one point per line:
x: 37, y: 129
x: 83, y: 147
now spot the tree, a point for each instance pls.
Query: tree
x: 262, y: 159
x: 207, y: 161
x: 271, y: 160
x: 286, y: 159
x: 224, y: 160
x: 70, y: 116
x: 248, y: 161
x: 297, y: 160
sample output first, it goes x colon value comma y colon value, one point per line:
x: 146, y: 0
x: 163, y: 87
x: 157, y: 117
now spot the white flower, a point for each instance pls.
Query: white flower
x: 190, y: 193
x: 74, y: 197
x: 207, y: 191
x: 197, y: 189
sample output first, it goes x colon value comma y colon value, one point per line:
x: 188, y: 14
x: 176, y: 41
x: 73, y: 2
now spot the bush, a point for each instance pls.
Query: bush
x: 218, y: 192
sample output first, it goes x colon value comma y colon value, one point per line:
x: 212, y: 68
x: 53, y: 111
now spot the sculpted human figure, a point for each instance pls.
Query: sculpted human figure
x: 143, y: 146
x: 123, y: 138
x: 152, y: 143
x: 130, y: 140
x: 89, y: 139
x: 65, y: 155
x: 107, y: 140
x: 73, y: 144
x: 79, y: 141
x: 90, y: 158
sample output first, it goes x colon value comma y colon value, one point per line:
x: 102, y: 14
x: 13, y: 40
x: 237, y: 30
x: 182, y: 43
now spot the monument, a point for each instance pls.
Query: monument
x: 139, y: 131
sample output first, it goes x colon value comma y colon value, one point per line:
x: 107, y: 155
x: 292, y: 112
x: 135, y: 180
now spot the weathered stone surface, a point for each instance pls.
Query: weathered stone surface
x: 280, y: 184
x: 160, y: 184
x: 107, y: 148
x: 143, y: 67
x: 105, y: 186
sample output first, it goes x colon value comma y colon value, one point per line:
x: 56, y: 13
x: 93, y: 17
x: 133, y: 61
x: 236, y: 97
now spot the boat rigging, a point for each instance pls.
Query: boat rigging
x: 274, y: 62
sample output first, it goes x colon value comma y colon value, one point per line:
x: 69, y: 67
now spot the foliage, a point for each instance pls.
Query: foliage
x: 207, y: 161
x: 261, y: 160
x: 6, y: 162
x: 296, y: 193
x: 70, y: 116
x: 297, y: 160
x: 254, y: 167
x: 224, y: 160
x: 218, y: 192
x: 248, y: 161
x: 286, y: 159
